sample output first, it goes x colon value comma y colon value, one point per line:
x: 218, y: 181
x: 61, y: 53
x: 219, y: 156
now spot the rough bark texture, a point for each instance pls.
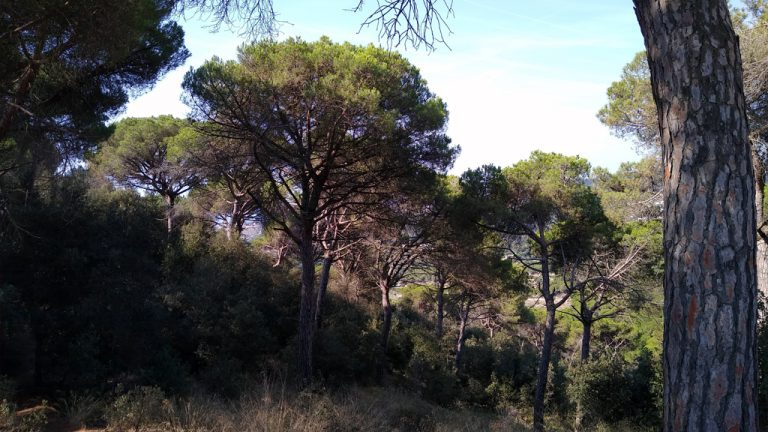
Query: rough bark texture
x: 709, y: 216
x: 543, y: 372
x: 234, y: 227
x: 306, y: 308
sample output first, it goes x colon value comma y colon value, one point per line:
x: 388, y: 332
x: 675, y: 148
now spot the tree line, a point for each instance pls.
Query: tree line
x: 324, y: 163
x: 67, y: 73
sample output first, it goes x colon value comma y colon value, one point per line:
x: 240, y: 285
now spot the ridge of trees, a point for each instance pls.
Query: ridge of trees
x: 57, y: 99
x: 330, y: 127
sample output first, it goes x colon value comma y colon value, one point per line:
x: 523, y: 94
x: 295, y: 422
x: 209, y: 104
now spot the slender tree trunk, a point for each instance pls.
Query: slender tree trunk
x: 586, y: 337
x: 709, y: 216
x: 578, y: 421
x: 543, y: 371
x: 170, y: 201
x: 239, y: 224
x: 386, y: 327
x: 386, y: 311
x: 440, y: 307
x: 463, y: 319
x: 761, y: 260
x: 234, y: 225
x: 306, y: 308
x: 325, y: 275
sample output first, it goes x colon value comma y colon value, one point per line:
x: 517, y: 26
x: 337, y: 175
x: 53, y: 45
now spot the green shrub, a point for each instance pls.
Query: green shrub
x: 556, y: 396
x: 231, y: 306
x: 599, y: 388
x: 610, y: 390
x: 7, y: 414
x: 347, y: 344
x: 478, y: 357
x: 136, y: 410
x: 32, y: 419
x: 431, y: 370
x: 514, y: 376
x: 474, y: 393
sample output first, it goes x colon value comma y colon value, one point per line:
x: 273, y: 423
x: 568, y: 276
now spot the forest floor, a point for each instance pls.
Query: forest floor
x: 266, y: 409
x: 275, y: 408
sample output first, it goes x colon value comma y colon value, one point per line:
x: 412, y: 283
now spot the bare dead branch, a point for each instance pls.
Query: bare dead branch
x: 410, y: 22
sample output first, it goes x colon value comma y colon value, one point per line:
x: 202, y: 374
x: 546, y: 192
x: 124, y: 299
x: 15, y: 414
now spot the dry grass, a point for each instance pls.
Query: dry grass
x: 355, y: 410
x: 272, y: 407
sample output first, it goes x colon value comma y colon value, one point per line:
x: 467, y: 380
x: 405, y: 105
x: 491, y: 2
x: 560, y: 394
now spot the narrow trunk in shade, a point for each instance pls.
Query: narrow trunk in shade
x: 306, y: 308
x: 549, y: 333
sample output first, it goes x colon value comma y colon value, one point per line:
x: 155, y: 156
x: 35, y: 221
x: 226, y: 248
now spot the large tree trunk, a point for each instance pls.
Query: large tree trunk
x: 709, y: 216
x: 543, y: 372
x: 306, y: 307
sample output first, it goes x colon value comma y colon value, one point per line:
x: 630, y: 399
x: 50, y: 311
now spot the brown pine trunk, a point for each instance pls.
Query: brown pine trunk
x: 463, y: 319
x: 386, y: 312
x: 549, y: 333
x: 306, y: 308
x: 386, y: 328
x: 325, y: 275
x: 709, y: 216
x: 239, y: 225
x: 170, y: 201
x: 235, y: 225
x: 543, y: 371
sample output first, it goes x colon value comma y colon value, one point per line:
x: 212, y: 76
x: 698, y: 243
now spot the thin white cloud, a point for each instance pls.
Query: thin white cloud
x: 508, y: 12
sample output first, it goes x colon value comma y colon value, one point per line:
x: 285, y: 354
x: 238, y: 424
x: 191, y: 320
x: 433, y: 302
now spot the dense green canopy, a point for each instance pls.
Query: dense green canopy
x: 332, y: 127
x: 69, y: 66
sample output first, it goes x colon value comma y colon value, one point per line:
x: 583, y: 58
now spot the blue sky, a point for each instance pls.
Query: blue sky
x: 520, y: 75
